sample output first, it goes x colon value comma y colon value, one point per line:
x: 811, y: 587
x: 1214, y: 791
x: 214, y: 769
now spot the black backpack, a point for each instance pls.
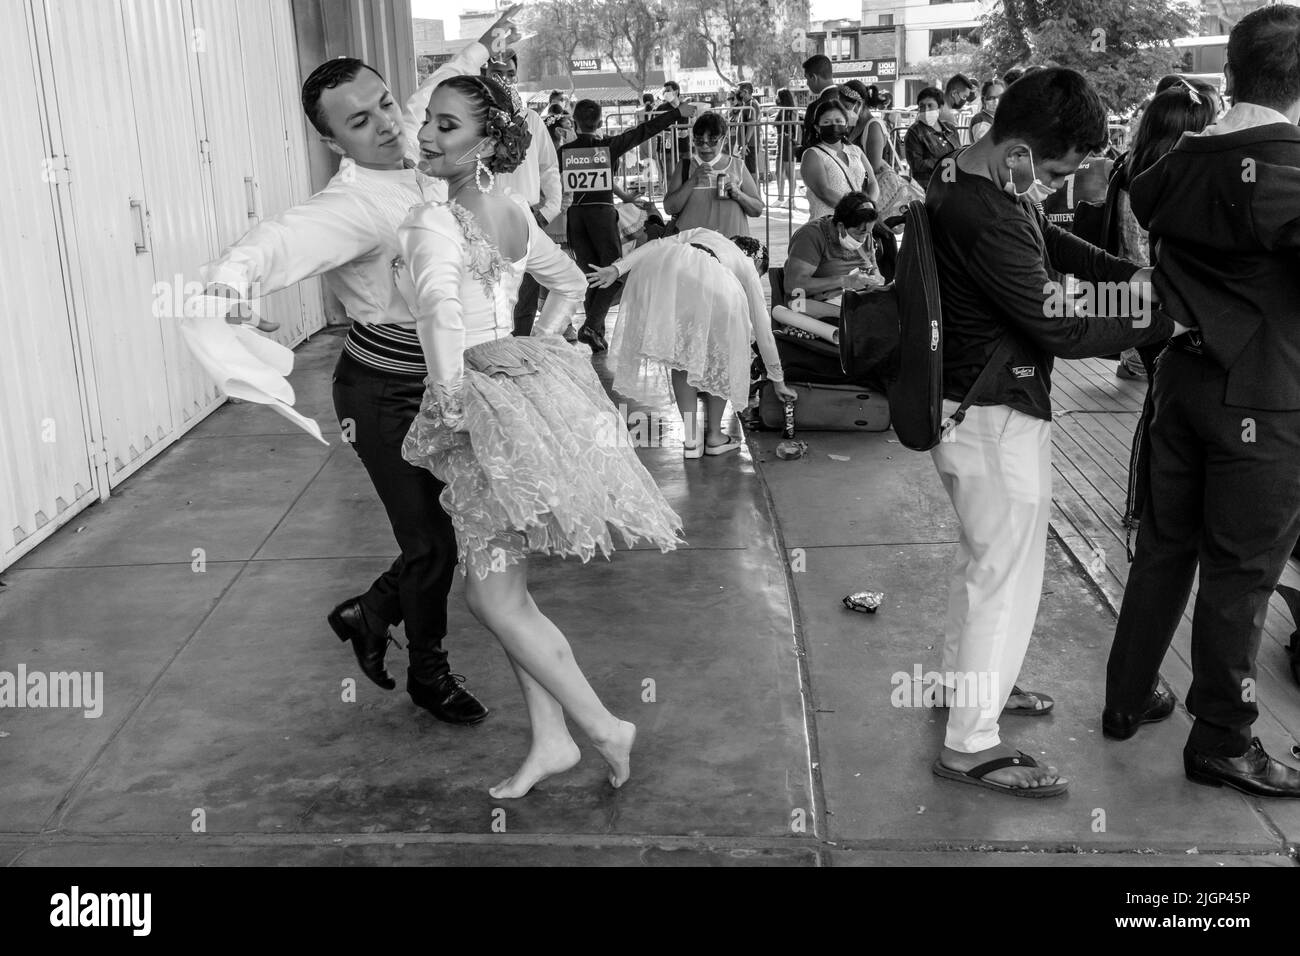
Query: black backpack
x: 897, y: 331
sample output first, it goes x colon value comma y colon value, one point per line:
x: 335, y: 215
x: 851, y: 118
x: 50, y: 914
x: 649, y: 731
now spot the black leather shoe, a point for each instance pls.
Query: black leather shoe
x: 369, y: 643
x: 1254, y: 772
x: 1121, y: 726
x: 595, y: 339
x: 446, y: 699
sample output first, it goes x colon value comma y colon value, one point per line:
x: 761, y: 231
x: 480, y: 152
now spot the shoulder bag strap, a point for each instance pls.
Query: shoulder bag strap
x: 995, y: 362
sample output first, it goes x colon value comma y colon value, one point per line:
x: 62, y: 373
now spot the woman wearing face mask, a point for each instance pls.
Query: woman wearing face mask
x: 832, y: 169
x: 982, y: 121
x: 692, y: 306
x: 694, y: 196
x: 517, y: 427
x: 834, y: 253
x: 929, y: 139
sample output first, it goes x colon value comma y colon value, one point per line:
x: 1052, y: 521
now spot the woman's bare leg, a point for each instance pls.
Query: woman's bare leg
x: 715, y: 405
x: 535, y: 645
x: 688, y: 404
x: 551, y: 749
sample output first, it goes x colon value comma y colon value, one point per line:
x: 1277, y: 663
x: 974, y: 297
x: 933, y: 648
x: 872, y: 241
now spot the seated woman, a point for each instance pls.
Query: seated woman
x: 831, y: 254
x: 692, y: 306
x: 693, y: 192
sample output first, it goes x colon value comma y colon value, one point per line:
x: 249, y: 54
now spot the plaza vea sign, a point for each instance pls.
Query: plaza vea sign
x: 884, y: 68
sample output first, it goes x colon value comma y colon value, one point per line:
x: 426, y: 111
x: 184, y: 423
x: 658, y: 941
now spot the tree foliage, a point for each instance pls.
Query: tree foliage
x: 1122, y: 46
x: 753, y: 40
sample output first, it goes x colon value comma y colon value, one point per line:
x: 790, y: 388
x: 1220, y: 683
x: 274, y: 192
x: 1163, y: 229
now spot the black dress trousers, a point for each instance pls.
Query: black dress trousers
x: 414, y: 590
x: 1225, y: 495
x: 593, y: 236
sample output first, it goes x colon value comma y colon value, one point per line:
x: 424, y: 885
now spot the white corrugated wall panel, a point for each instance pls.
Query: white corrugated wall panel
x: 109, y: 228
x: 162, y: 49
x: 297, y: 131
x: 45, y: 470
x: 225, y: 118
x: 268, y: 130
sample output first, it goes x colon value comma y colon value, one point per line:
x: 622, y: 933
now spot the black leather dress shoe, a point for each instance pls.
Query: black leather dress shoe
x: 446, y: 699
x: 1254, y: 772
x: 1118, y: 725
x: 594, y: 339
x: 369, y: 640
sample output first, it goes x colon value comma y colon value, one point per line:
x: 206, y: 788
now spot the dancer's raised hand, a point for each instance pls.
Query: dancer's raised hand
x: 503, y: 32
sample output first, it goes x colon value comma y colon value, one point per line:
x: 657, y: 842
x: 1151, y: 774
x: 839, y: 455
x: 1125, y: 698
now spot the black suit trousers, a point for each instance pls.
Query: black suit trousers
x: 593, y: 236
x: 1225, y: 496
x: 380, y: 408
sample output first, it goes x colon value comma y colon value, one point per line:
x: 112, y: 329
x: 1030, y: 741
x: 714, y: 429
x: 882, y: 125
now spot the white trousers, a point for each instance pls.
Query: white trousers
x: 997, y: 469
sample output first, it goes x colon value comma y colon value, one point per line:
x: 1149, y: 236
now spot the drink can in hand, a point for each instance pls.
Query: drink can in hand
x: 722, y: 185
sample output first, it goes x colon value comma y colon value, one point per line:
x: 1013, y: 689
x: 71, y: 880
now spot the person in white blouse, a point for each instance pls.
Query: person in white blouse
x: 347, y: 233
x: 691, y: 307
x: 519, y: 428
x: 537, y: 179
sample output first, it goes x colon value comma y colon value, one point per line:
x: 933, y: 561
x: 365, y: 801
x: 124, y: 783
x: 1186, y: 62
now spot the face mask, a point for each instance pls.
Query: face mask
x: 473, y: 152
x: 930, y: 117
x: 851, y: 244
x: 1037, y: 191
x: 831, y: 134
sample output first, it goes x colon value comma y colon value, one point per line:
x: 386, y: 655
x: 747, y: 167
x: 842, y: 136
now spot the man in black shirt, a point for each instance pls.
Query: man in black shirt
x: 993, y: 248
x: 587, y: 167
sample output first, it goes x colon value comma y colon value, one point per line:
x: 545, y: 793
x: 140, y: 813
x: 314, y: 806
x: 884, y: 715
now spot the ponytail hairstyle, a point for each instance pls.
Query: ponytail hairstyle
x: 499, y: 112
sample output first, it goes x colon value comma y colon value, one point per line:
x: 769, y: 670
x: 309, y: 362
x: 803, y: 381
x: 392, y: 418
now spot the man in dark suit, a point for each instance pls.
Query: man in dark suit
x: 1223, y: 208
x: 819, y: 74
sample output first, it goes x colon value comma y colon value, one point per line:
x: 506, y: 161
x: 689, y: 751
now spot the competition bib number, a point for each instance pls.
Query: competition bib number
x: 587, y: 169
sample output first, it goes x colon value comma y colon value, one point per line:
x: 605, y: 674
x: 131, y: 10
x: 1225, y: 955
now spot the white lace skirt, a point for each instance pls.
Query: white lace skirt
x: 544, y: 464
x: 682, y: 309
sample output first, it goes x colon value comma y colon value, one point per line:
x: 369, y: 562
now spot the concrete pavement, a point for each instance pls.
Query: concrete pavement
x: 767, y: 735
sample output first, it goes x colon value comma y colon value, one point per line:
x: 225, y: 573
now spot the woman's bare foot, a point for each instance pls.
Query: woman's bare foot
x: 541, y: 762
x: 617, y: 751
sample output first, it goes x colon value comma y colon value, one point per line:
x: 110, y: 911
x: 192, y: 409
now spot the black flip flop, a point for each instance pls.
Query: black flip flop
x: 975, y: 776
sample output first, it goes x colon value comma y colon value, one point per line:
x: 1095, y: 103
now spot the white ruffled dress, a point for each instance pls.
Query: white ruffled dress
x: 533, y: 453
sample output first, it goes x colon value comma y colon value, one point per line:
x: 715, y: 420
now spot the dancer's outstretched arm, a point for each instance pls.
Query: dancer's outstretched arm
x: 431, y: 243
x: 554, y: 271
x: 329, y: 230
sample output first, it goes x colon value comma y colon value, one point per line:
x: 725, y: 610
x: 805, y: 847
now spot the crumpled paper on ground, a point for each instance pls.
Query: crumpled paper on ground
x: 244, y: 363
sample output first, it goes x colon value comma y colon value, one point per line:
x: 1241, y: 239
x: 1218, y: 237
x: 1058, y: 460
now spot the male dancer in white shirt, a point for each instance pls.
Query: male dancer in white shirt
x: 348, y: 233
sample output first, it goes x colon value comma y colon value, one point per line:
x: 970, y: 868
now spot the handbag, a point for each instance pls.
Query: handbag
x: 896, y: 190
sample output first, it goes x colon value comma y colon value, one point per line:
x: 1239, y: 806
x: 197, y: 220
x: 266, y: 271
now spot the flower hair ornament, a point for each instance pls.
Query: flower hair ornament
x: 506, y: 124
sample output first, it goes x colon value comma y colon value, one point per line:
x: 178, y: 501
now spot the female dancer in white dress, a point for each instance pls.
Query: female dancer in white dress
x: 692, y: 305
x: 518, y: 428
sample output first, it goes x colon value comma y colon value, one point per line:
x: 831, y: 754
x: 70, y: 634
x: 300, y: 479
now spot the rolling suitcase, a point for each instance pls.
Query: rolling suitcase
x: 827, y: 408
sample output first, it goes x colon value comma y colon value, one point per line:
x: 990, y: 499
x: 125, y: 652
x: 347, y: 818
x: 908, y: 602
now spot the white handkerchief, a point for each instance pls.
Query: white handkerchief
x: 244, y: 363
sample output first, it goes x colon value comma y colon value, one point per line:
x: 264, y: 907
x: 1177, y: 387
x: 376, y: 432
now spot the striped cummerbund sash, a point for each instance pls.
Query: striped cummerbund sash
x: 388, y: 348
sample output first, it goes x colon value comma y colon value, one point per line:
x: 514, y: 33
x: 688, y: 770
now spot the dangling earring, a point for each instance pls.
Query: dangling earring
x: 479, y: 170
